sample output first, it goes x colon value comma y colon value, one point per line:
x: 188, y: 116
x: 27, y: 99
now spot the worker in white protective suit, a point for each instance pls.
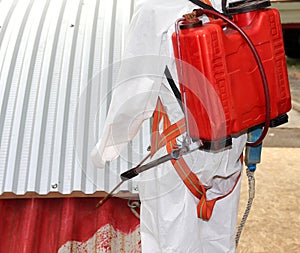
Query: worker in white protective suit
x: 169, y: 221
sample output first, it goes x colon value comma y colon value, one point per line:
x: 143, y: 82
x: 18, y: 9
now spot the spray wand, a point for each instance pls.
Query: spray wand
x: 129, y: 174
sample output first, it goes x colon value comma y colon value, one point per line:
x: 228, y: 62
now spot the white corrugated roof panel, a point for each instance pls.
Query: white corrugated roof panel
x: 56, y: 70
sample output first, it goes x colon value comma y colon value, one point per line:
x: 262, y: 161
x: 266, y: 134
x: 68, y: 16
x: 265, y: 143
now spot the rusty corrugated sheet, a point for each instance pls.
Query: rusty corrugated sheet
x: 67, y: 225
x: 57, y: 66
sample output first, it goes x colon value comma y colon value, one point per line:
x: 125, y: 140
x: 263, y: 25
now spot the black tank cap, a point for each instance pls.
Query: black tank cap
x: 247, y: 5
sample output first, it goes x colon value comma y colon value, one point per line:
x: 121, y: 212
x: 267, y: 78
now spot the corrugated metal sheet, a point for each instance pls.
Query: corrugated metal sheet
x: 56, y: 71
x: 67, y: 225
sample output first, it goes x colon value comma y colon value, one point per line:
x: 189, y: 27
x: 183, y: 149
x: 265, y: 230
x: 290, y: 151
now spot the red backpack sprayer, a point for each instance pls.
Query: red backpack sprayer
x: 240, y: 57
x: 243, y: 59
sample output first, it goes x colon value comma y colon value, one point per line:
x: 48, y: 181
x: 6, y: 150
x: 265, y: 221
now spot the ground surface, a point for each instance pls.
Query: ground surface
x: 273, y: 225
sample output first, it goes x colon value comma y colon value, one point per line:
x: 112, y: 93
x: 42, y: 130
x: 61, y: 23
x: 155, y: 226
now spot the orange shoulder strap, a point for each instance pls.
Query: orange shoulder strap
x: 168, y: 138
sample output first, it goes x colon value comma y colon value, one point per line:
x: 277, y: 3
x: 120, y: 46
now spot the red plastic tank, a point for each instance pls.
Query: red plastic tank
x: 229, y: 98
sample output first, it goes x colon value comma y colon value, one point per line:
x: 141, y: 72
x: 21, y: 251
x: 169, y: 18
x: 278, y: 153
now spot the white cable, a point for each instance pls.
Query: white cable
x: 251, y: 185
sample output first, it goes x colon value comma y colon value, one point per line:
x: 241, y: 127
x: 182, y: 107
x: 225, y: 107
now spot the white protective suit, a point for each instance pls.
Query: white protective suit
x: 169, y: 220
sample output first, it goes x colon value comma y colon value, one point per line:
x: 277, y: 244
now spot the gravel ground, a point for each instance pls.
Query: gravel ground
x: 273, y: 225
